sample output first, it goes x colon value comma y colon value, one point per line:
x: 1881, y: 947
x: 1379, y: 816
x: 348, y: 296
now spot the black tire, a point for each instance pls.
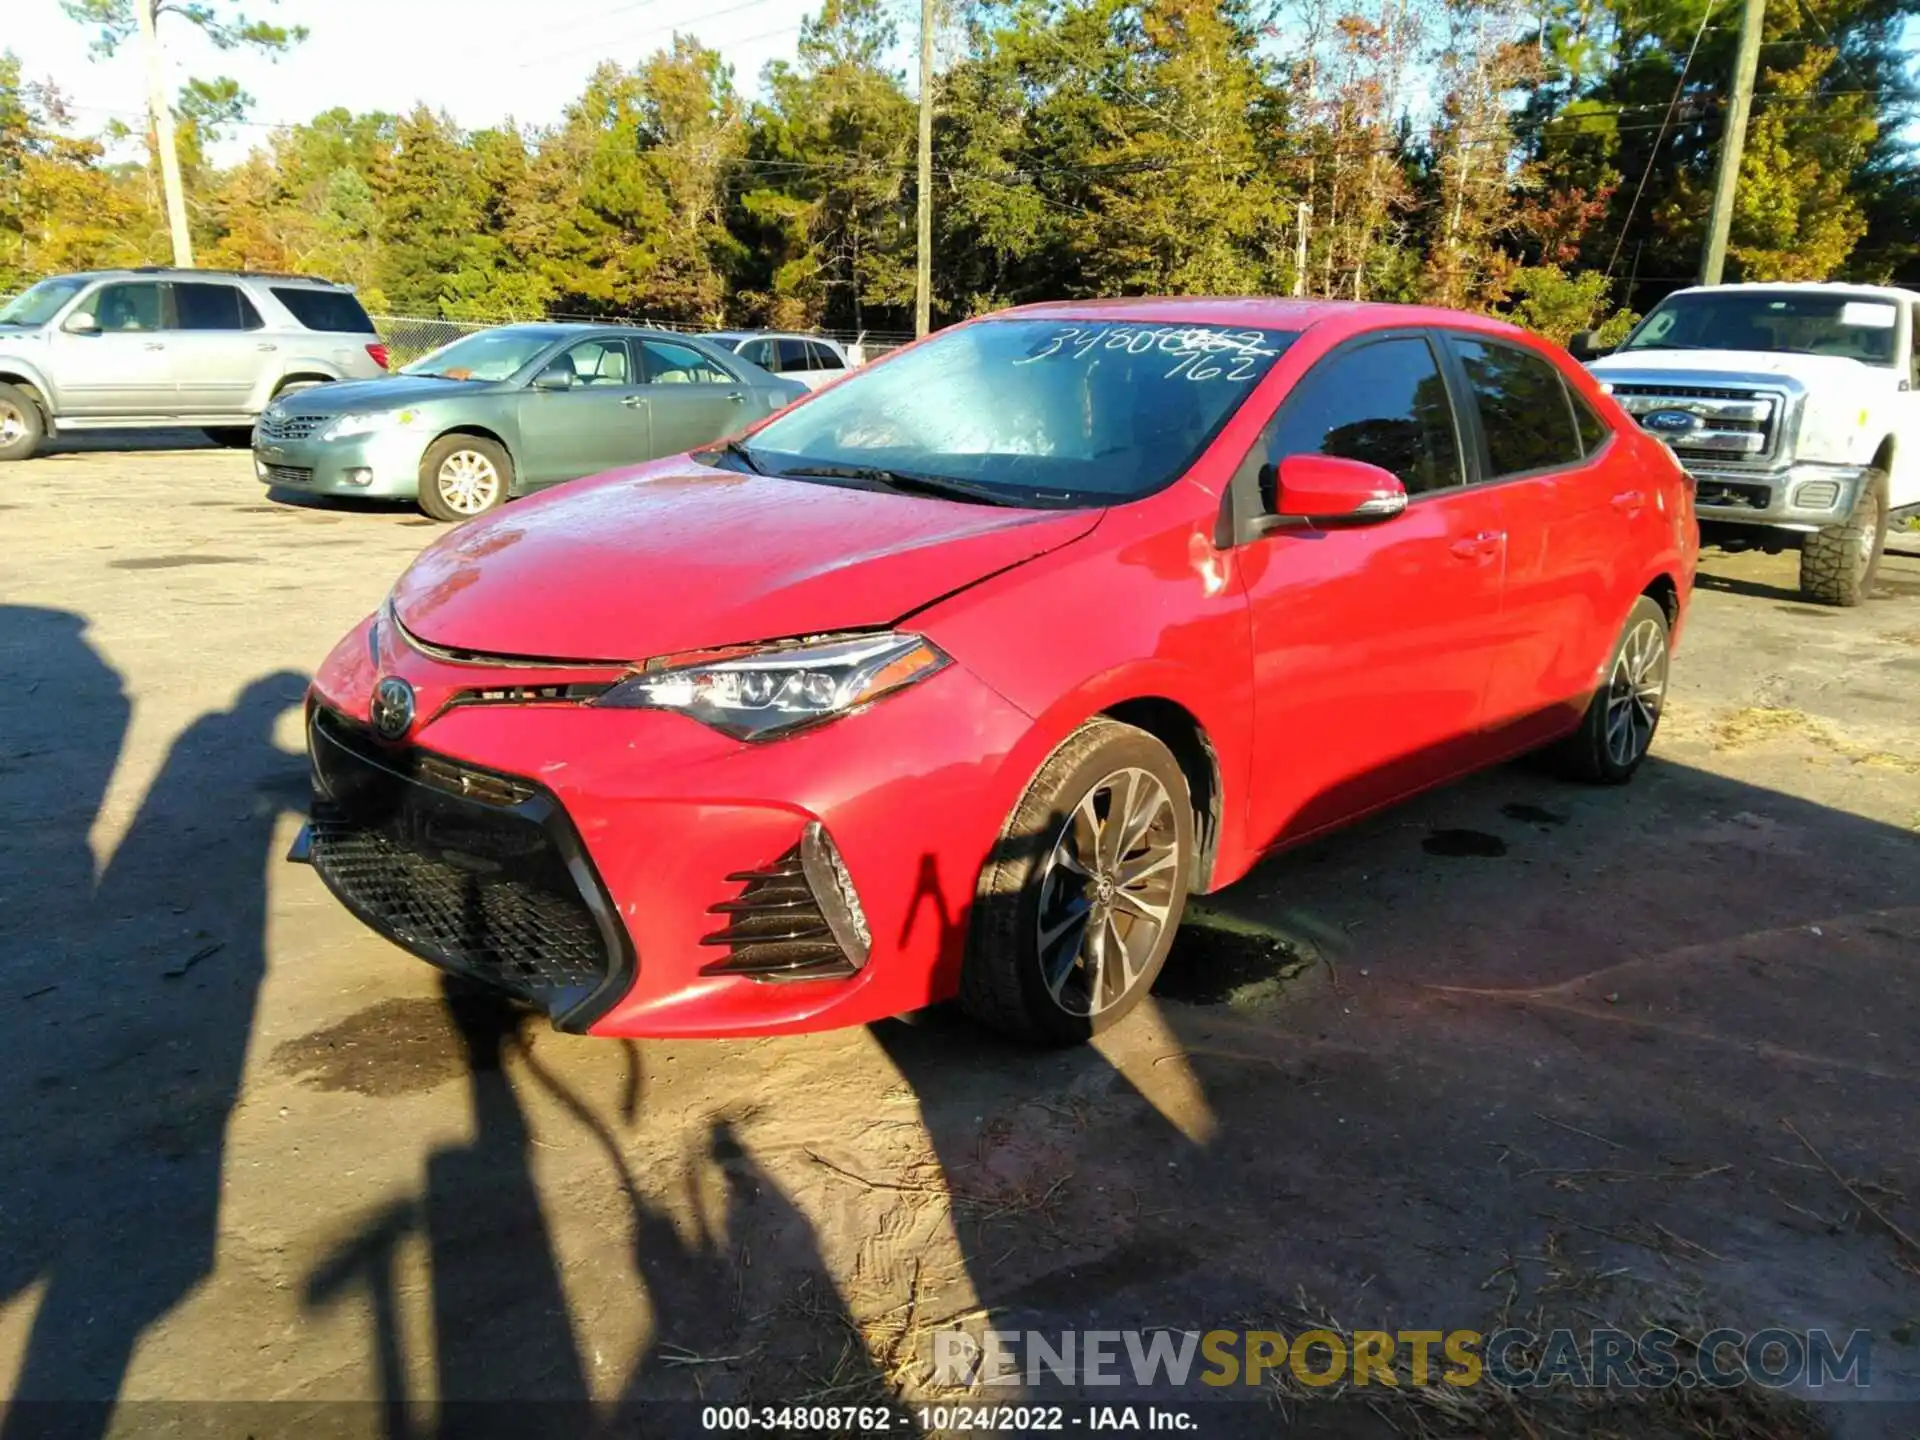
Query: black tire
x: 1588, y: 753
x: 1003, y: 984
x: 449, y: 500
x: 234, y: 437
x: 1837, y: 564
x: 22, y: 426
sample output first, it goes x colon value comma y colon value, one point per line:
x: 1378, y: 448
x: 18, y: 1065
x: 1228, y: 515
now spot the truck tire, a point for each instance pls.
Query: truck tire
x: 22, y: 426
x: 1837, y: 564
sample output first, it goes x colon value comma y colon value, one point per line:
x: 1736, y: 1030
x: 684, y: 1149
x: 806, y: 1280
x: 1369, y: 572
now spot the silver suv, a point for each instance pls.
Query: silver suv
x: 120, y: 349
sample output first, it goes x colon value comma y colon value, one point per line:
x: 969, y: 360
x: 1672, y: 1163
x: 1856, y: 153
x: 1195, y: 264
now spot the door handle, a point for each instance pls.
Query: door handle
x: 633, y: 402
x: 268, y: 348
x: 1629, y: 501
x: 737, y: 397
x: 1478, y: 547
x: 153, y: 345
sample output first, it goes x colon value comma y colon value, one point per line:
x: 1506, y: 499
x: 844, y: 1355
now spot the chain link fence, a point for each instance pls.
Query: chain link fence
x: 408, y: 337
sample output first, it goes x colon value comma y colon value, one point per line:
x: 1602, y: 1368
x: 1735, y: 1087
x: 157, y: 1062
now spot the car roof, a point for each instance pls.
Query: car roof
x: 570, y: 329
x: 1260, y: 312
x: 174, y: 272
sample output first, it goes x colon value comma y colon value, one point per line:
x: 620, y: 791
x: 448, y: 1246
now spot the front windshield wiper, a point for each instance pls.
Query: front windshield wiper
x: 903, y: 481
x: 740, y: 453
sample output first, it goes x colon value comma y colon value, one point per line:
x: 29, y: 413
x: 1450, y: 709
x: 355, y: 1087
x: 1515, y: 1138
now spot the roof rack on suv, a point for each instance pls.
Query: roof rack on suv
x: 245, y: 274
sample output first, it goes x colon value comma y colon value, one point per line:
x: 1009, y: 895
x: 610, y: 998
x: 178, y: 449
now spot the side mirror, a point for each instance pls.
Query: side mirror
x: 1585, y: 346
x: 81, y: 324
x: 558, y: 376
x: 1323, y: 492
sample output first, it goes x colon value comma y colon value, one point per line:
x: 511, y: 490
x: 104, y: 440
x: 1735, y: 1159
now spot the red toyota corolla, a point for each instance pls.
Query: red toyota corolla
x: 957, y: 678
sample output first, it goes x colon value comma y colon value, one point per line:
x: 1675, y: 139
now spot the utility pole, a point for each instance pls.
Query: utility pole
x: 161, y: 114
x: 1726, y: 175
x: 923, y: 278
x: 1304, y: 213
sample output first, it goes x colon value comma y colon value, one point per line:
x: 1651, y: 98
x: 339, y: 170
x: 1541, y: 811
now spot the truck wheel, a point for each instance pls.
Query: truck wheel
x: 1077, y: 906
x: 22, y: 427
x: 1837, y: 564
x: 1617, y: 730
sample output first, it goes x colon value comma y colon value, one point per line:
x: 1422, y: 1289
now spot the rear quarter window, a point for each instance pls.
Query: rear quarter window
x: 335, y: 311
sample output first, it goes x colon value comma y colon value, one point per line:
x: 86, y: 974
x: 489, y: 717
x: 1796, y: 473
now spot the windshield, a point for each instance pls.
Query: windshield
x: 41, y: 303
x: 1859, y: 328
x: 1040, y: 412
x: 490, y: 355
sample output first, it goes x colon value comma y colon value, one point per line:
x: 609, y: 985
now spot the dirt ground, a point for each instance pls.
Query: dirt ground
x: 1516, y: 1050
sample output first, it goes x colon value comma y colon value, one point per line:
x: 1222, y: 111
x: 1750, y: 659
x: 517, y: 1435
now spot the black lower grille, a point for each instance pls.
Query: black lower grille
x: 289, y: 474
x: 478, y: 872
x: 1730, y: 492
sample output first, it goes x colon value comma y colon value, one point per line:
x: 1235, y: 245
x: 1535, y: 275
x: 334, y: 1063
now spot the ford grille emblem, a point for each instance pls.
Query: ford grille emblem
x: 1671, y: 422
x: 392, y: 708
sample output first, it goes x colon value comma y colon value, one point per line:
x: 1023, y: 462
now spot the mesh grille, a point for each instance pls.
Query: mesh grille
x: 288, y: 427
x: 289, y: 474
x: 464, y: 867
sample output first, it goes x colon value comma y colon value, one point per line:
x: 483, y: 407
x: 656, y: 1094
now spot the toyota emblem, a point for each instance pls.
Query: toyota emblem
x: 392, y: 708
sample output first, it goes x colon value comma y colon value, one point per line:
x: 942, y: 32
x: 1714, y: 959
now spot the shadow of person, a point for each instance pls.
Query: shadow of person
x: 118, y: 1205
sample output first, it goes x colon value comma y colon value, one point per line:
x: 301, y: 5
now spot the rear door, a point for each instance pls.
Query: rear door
x: 217, y: 348
x: 826, y: 367
x: 1578, y: 524
x: 1372, y: 645
x: 123, y: 368
x: 599, y: 422
x: 692, y: 401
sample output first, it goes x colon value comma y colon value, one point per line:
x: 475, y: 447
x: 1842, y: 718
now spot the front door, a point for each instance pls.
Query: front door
x: 124, y: 366
x: 1372, y: 645
x: 692, y: 400
x: 598, y: 421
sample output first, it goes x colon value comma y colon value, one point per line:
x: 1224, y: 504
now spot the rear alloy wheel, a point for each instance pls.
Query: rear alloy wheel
x: 1078, y: 906
x: 22, y: 427
x: 462, y: 476
x: 234, y: 437
x: 1837, y: 564
x: 1618, y: 728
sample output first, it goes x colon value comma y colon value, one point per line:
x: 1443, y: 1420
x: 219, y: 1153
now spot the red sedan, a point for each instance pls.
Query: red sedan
x: 957, y: 678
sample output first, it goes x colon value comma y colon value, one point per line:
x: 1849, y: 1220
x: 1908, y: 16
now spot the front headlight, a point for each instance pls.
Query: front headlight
x: 769, y: 690
x: 367, y: 423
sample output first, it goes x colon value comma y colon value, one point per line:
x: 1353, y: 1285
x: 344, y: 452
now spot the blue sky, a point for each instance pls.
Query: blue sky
x: 480, y: 60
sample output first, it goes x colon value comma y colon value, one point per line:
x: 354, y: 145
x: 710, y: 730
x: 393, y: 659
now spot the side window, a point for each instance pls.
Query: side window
x: 130, y: 307
x: 1524, y: 408
x: 757, y: 352
x: 1384, y: 403
x: 1914, y: 348
x: 793, y: 357
x: 200, y: 306
x: 670, y: 364
x: 600, y: 362
x: 823, y: 356
x: 1593, y: 430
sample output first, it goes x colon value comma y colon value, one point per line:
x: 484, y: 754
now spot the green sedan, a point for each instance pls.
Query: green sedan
x: 507, y: 411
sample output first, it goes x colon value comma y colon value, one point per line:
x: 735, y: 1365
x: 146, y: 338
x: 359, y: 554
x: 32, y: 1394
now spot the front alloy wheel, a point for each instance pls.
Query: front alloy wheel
x: 462, y: 476
x: 1106, y: 892
x: 1077, y: 906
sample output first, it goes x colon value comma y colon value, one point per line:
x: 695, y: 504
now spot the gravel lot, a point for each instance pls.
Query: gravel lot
x: 1517, y: 1048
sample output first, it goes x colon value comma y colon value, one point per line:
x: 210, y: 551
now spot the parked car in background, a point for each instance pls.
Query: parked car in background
x: 131, y: 349
x: 811, y: 359
x: 1796, y: 409
x: 509, y: 410
x: 958, y: 678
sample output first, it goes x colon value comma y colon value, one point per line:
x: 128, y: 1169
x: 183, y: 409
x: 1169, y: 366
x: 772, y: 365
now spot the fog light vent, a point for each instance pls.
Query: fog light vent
x: 797, y: 918
x: 1817, y: 495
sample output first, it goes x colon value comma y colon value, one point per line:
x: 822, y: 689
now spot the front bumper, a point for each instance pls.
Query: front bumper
x: 385, y: 465
x: 685, y: 839
x: 1802, y: 497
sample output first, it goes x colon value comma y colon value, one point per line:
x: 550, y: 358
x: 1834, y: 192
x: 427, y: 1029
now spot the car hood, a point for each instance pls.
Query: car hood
x: 1814, y: 371
x: 678, y: 556
x: 352, y: 395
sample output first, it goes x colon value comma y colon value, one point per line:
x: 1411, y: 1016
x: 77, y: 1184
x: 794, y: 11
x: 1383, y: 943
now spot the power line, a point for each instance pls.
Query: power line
x: 1653, y: 151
